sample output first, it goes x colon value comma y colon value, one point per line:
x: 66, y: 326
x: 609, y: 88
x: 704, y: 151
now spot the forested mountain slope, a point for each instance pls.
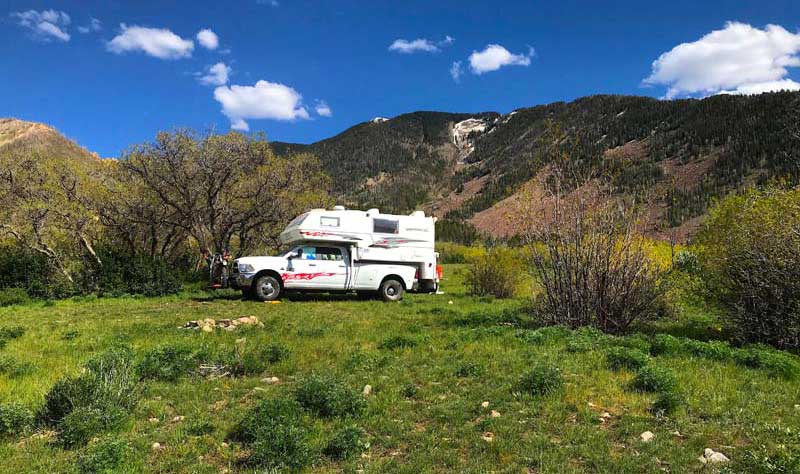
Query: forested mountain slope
x: 678, y: 155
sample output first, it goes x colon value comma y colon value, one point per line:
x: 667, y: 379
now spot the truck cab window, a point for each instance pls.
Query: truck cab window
x: 308, y: 253
x: 329, y: 253
x: 385, y: 226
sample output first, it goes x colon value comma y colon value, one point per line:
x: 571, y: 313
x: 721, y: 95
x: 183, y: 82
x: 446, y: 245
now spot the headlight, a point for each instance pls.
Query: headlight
x: 246, y: 268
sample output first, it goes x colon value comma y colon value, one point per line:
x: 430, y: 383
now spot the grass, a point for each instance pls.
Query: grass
x: 431, y: 365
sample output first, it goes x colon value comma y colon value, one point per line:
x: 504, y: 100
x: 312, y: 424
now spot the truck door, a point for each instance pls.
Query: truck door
x: 318, y: 268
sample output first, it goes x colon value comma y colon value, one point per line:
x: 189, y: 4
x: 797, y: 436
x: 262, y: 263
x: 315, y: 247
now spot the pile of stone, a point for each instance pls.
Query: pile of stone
x: 208, y: 324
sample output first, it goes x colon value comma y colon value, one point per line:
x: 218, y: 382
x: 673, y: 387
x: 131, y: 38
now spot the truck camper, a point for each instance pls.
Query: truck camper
x: 346, y: 250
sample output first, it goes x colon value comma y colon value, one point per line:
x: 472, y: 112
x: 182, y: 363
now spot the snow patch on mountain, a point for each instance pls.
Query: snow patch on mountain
x: 464, y: 134
x: 379, y: 120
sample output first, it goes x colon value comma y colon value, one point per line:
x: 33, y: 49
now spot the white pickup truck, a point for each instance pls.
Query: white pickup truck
x: 342, y: 250
x: 320, y: 268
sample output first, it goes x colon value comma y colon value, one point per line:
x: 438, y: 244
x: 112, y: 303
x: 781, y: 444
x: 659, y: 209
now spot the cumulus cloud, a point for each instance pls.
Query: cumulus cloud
x: 208, y: 39
x: 45, y: 25
x: 264, y: 100
x: 323, y: 109
x: 736, y: 59
x: 215, y: 75
x: 494, y: 56
x: 420, y: 44
x: 456, y: 70
x: 157, y: 42
x: 94, y: 25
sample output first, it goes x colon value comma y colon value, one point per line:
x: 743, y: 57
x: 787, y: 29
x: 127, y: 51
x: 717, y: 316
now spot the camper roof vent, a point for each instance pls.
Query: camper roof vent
x: 338, y: 208
x: 373, y: 212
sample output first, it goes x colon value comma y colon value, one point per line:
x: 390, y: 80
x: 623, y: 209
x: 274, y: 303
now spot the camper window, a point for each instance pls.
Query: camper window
x: 327, y: 221
x: 385, y: 226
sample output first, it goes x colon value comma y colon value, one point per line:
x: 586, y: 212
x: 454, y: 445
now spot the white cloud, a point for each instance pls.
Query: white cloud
x: 771, y: 86
x: 157, y: 42
x: 738, y: 58
x: 94, y: 25
x: 494, y: 56
x: 456, y: 71
x: 264, y: 100
x: 208, y: 39
x: 215, y: 75
x: 420, y: 44
x: 46, y: 24
x: 323, y: 109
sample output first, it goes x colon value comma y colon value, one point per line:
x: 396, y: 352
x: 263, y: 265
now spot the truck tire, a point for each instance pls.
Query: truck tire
x: 391, y: 290
x: 266, y: 288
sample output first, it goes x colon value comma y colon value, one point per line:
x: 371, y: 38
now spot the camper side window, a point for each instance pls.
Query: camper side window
x: 385, y: 226
x: 327, y: 221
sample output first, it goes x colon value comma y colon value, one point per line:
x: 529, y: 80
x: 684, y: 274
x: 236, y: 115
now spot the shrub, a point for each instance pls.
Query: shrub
x: 751, y: 252
x: 542, y: 379
x: 200, y: 428
x: 533, y: 338
x: 468, y: 369
x: 637, y: 341
x: 124, y: 273
x: 618, y: 358
x: 275, y: 434
x: 109, y: 383
x: 776, y: 363
x: 498, y: 273
x: 716, y: 350
x: 168, y: 362
x: 11, y: 332
x: 456, y: 253
x: 347, y: 442
x: 665, y: 344
x: 14, y: 419
x: 328, y: 397
x: 13, y: 368
x: 33, y: 273
x: 654, y: 379
x: 12, y: 296
x: 667, y: 402
x: 397, y: 342
x: 107, y: 456
x: 83, y: 423
x: 409, y: 390
x: 242, y: 361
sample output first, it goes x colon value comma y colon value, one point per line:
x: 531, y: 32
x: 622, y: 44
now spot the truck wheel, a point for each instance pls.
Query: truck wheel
x: 391, y: 290
x: 267, y: 288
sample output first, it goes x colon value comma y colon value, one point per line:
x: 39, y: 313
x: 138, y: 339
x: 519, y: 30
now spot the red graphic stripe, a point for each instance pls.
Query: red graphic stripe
x: 304, y: 276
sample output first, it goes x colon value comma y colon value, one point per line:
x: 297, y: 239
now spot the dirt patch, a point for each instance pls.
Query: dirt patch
x: 454, y: 200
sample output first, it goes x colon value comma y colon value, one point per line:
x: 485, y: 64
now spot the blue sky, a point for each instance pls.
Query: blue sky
x: 138, y: 67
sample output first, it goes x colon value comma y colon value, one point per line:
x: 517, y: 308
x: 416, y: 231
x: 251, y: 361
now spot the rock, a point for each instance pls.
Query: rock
x: 450, y: 302
x: 485, y: 404
x: 153, y: 420
x: 156, y: 446
x: 367, y: 390
x: 178, y: 419
x: 647, y: 436
x: 712, y: 457
x: 270, y: 380
x: 495, y: 414
x: 208, y: 328
x: 259, y: 389
x: 488, y: 436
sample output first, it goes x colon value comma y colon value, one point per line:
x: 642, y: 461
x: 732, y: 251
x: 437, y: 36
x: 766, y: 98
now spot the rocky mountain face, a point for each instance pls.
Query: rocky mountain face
x: 675, y: 156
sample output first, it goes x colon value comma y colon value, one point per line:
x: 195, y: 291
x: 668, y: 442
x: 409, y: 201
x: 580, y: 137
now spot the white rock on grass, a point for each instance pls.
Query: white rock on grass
x: 367, y: 390
x: 495, y: 414
x: 485, y: 404
x: 647, y: 436
x: 712, y: 457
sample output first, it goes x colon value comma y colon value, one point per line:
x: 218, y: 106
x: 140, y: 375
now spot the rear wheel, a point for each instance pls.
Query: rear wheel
x: 391, y: 290
x: 267, y: 288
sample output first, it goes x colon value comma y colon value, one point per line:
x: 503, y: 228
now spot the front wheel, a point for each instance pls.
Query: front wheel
x: 267, y: 288
x: 391, y: 290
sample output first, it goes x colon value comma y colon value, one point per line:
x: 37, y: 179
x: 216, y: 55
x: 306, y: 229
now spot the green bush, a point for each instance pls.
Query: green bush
x: 715, y: 350
x: 751, y: 254
x: 14, y: 419
x: 533, y: 338
x: 106, y: 456
x: 585, y: 339
x: 31, y: 272
x: 468, y: 369
x: 10, y: 332
x: 654, y: 379
x: 12, y: 296
x: 618, y: 358
x: 200, y: 428
x: 667, y: 402
x: 123, y: 273
x: 12, y: 368
x: 498, y: 273
x: 541, y: 379
x: 328, y: 397
x: 397, y: 342
x: 275, y: 434
x: 665, y: 344
x: 168, y: 362
x: 84, y: 423
x: 346, y: 443
x: 243, y: 361
x: 776, y: 363
x: 109, y: 383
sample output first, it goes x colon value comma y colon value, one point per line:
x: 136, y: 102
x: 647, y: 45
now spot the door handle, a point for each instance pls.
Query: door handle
x: 341, y: 266
x: 312, y: 264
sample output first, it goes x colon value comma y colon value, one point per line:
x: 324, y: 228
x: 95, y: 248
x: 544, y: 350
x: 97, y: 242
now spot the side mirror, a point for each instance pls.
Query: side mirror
x: 293, y: 255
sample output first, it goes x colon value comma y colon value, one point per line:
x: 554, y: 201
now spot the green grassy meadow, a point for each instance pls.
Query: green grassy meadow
x: 426, y: 410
